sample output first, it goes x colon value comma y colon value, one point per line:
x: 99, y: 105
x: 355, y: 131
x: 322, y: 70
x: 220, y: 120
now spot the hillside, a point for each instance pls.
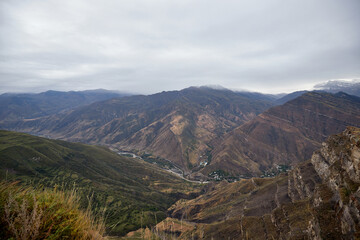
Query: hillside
x: 134, y: 192
x: 319, y: 199
x: 179, y: 125
x: 15, y: 106
x: 284, y: 135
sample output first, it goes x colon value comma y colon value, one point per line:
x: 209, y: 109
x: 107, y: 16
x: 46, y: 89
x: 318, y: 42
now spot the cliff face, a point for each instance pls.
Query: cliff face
x: 319, y: 199
x: 286, y: 134
x: 338, y: 165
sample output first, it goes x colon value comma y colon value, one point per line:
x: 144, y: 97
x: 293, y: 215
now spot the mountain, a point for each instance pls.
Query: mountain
x: 351, y: 88
x: 285, y: 134
x: 334, y: 86
x: 261, y: 96
x: 289, y: 97
x: 319, y: 199
x: 134, y: 192
x: 178, y: 125
x: 28, y: 106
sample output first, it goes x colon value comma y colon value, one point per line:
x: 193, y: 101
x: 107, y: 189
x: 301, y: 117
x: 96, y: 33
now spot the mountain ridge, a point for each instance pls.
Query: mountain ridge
x: 17, y: 106
x: 285, y: 134
x: 203, y: 130
x: 185, y: 121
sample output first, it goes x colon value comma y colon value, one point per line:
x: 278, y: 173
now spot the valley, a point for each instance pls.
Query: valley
x: 169, y: 168
x: 206, y: 133
x: 179, y: 120
x: 318, y: 199
x: 187, y: 122
x: 199, y: 163
x: 130, y: 189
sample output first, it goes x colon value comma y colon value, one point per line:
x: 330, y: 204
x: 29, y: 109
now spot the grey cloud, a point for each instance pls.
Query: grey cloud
x: 149, y: 46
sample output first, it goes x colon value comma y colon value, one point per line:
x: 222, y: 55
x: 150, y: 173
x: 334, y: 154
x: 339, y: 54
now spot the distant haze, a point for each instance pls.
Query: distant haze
x: 147, y: 46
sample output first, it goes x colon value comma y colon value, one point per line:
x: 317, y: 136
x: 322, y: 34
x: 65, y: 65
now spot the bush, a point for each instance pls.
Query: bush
x: 29, y: 213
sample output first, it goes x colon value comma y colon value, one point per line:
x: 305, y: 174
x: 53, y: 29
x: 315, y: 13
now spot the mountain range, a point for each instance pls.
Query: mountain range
x: 285, y: 134
x: 283, y: 187
x: 28, y: 106
x: 177, y: 125
x: 206, y: 132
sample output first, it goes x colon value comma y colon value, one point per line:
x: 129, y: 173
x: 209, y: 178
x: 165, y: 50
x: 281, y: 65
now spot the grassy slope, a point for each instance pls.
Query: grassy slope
x: 132, y: 190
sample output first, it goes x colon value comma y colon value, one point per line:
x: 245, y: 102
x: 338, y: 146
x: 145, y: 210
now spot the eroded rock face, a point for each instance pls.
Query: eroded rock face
x: 337, y: 162
x: 319, y: 199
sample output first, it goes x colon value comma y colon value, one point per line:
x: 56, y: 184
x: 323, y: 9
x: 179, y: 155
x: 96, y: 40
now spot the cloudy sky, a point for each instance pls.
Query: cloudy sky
x: 146, y: 46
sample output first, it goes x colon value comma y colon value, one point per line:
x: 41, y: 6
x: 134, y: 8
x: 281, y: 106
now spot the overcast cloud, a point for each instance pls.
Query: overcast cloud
x: 147, y: 46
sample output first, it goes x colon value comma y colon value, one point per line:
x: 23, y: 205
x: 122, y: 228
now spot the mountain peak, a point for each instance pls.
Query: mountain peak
x: 350, y: 87
x: 212, y: 87
x: 334, y: 84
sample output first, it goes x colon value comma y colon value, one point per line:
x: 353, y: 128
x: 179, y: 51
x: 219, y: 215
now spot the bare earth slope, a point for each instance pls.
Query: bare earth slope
x: 285, y: 134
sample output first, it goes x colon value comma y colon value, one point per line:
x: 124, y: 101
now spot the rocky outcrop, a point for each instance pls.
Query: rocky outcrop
x: 338, y: 164
x: 319, y: 199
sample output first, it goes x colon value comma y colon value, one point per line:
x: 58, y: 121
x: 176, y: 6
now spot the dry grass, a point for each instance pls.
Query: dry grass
x: 45, y: 214
x: 23, y: 223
